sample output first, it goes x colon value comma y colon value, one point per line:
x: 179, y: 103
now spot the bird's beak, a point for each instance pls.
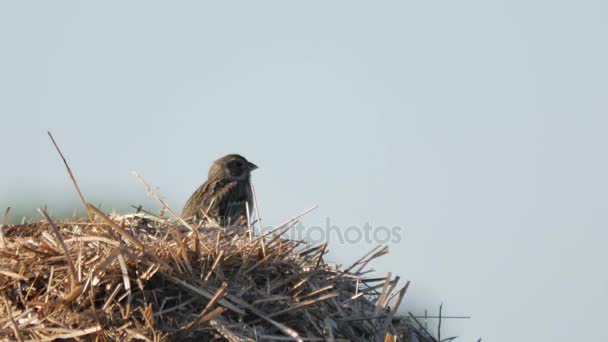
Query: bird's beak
x: 252, y: 166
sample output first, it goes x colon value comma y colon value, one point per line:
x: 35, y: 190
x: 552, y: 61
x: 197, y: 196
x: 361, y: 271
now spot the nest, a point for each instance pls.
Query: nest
x: 144, y: 277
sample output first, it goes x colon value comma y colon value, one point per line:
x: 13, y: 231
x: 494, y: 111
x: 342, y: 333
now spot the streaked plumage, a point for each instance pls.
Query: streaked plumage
x: 224, y: 194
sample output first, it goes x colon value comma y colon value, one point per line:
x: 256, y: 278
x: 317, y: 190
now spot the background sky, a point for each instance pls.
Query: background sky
x: 480, y: 127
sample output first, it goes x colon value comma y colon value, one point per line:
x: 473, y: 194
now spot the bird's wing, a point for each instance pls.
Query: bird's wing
x: 231, y: 205
x: 209, y: 197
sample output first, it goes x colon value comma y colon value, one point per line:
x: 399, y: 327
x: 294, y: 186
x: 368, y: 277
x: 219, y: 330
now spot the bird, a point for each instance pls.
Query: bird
x: 225, y: 193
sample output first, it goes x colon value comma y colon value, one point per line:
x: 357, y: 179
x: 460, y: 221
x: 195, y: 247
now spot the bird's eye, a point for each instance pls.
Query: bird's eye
x: 239, y: 163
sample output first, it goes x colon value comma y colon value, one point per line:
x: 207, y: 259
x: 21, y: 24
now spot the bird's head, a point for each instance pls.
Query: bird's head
x: 232, y: 166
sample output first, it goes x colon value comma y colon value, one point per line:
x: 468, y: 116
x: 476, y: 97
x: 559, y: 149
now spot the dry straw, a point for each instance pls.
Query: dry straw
x: 139, y: 277
x: 146, y: 277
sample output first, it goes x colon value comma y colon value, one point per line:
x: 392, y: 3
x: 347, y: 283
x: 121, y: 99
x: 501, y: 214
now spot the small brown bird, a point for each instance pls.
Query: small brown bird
x: 223, y: 196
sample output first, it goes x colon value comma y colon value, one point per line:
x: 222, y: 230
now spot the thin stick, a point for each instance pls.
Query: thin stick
x: 92, y: 299
x: 141, y: 210
x: 445, y: 317
x: 153, y: 193
x: 361, y: 260
x: 71, y: 176
x: 422, y: 327
x: 65, y: 248
x: 396, y: 304
x: 4, y: 219
x: 13, y: 323
x: 321, y: 256
x: 126, y: 235
x: 383, y: 294
x: 201, y: 290
x: 201, y: 317
x: 284, y: 329
x: 439, y: 324
x: 248, y: 221
x: 48, y: 288
x: 285, y: 225
x: 125, y: 279
x: 258, y: 218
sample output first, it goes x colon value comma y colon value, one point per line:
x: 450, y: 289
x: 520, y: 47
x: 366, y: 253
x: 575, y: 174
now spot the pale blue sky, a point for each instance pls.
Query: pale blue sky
x: 479, y: 126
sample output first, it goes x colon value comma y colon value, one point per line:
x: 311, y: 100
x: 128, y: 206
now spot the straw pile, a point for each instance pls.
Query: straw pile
x: 144, y: 277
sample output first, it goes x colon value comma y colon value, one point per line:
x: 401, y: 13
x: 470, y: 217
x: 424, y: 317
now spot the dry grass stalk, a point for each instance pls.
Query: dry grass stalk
x: 2, y: 223
x: 65, y: 162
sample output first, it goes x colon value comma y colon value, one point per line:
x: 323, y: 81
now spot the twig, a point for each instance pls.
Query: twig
x: 439, y: 324
x: 389, y: 318
x: 153, y: 193
x: 2, y: 223
x: 248, y: 221
x: 258, y: 218
x: 13, y: 323
x: 321, y: 255
x: 422, y: 327
x: 65, y: 248
x: 444, y: 317
x: 304, y: 303
x: 74, y: 333
x: 384, y: 293
x: 364, y: 259
x: 126, y: 235
x: 71, y: 175
x: 140, y: 210
x: 205, y: 316
x: 205, y: 293
x: 125, y: 279
x: 285, y: 225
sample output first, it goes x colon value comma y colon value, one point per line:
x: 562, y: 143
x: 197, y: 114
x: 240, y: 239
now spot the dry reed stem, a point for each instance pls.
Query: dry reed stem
x: 14, y: 325
x: 126, y: 235
x: 2, y: 223
x: 258, y: 218
x: 68, y: 258
x: 65, y: 162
